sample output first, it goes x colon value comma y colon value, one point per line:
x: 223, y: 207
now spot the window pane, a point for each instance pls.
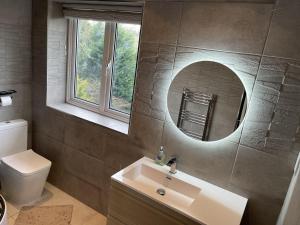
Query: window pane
x: 89, y: 56
x: 126, y: 48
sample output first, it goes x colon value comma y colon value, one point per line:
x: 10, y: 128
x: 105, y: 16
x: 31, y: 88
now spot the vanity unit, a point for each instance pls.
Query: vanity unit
x: 145, y: 193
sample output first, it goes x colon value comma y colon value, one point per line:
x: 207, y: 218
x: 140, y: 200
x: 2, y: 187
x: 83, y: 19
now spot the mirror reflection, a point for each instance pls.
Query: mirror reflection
x: 207, y: 101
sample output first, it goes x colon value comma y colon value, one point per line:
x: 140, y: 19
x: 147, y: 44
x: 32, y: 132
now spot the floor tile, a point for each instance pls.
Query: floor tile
x: 12, y: 210
x: 12, y: 219
x: 96, y: 219
x: 82, y: 214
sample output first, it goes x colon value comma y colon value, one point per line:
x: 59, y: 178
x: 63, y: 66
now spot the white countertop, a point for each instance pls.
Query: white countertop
x: 197, y: 199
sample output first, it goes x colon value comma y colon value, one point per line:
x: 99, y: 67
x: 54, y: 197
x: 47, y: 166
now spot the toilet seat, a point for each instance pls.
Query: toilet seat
x: 26, y: 163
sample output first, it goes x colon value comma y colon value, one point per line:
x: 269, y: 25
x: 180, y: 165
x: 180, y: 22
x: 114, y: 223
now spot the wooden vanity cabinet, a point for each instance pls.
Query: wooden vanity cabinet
x: 128, y: 207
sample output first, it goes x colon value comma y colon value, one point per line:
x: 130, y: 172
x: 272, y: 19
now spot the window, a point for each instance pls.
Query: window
x: 102, y: 66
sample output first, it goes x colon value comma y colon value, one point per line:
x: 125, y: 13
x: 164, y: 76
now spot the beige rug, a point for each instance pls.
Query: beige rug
x: 45, y: 215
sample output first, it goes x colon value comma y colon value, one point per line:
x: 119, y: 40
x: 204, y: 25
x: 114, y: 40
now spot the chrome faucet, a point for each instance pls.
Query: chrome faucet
x: 172, y: 164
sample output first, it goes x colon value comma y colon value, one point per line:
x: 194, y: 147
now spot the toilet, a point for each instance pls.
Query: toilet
x: 3, y: 214
x: 23, y: 173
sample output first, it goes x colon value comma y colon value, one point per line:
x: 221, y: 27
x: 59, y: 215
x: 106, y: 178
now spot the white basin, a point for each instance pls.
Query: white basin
x: 177, y: 192
x: 197, y: 199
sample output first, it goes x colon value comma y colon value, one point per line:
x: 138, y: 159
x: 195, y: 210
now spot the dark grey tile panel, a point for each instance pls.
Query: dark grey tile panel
x: 212, y: 161
x: 283, y: 39
x: 161, y: 22
x: 235, y: 27
x: 85, y: 167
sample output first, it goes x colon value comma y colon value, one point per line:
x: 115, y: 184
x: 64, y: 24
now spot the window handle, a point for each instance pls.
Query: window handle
x: 108, y: 67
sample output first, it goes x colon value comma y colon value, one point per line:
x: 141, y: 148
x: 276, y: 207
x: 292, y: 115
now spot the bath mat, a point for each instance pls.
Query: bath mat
x: 45, y: 215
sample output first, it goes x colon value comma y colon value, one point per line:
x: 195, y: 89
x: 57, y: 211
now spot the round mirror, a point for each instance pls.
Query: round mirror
x: 207, y: 101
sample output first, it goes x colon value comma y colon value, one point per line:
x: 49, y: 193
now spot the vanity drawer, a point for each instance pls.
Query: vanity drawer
x: 112, y: 221
x: 131, y: 208
x: 132, y: 211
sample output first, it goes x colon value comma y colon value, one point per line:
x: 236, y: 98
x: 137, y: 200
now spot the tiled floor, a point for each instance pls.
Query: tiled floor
x: 82, y: 214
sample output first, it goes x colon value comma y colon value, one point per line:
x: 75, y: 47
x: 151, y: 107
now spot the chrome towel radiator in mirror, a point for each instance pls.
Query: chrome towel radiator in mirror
x: 198, y: 115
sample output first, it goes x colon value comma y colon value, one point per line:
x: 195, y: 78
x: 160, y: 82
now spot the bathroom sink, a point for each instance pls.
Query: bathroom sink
x: 199, y: 200
x: 177, y: 192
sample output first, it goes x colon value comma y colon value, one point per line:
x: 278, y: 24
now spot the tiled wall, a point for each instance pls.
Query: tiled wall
x: 56, y: 54
x: 258, y: 41
x: 15, y: 57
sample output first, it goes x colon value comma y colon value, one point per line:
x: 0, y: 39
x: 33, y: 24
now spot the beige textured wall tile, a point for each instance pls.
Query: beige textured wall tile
x: 261, y: 173
x: 236, y: 27
x: 264, y: 179
x: 199, y: 1
x: 9, y: 14
x: 85, y: 137
x: 85, y: 192
x: 273, y: 116
x: 16, y: 59
x: 161, y: 22
x: 147, y: 133
x: 283, y: 39
x: 120, y: 152
x: 91, y: 171
x: 49, y: 122
x: 212, y: 161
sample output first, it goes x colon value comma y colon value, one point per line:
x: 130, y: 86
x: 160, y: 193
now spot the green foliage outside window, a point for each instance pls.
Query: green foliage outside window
x: 124, y: 66
x: 89, y: 62
x: 89, y: 59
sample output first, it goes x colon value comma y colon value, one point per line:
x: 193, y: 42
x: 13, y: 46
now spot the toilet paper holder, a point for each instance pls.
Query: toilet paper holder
x: 6, y: 97
x: 8, y: 92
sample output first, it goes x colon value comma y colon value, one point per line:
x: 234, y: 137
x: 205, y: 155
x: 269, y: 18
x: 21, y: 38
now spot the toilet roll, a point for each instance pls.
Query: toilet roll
x: 5, y: 101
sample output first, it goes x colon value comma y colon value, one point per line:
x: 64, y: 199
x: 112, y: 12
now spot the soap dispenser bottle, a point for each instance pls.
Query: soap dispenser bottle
x: 160, y: 158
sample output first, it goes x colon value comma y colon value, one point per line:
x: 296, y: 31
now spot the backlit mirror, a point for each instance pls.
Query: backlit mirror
x: 207, y: 101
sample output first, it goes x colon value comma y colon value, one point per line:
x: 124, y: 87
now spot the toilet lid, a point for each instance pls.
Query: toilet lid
x: 26, y: 162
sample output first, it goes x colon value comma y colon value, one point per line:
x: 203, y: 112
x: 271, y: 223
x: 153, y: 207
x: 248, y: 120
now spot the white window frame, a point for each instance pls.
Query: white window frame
x: 106, y: 73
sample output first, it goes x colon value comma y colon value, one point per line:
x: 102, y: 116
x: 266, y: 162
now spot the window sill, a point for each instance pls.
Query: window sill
x: 96, y: 118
